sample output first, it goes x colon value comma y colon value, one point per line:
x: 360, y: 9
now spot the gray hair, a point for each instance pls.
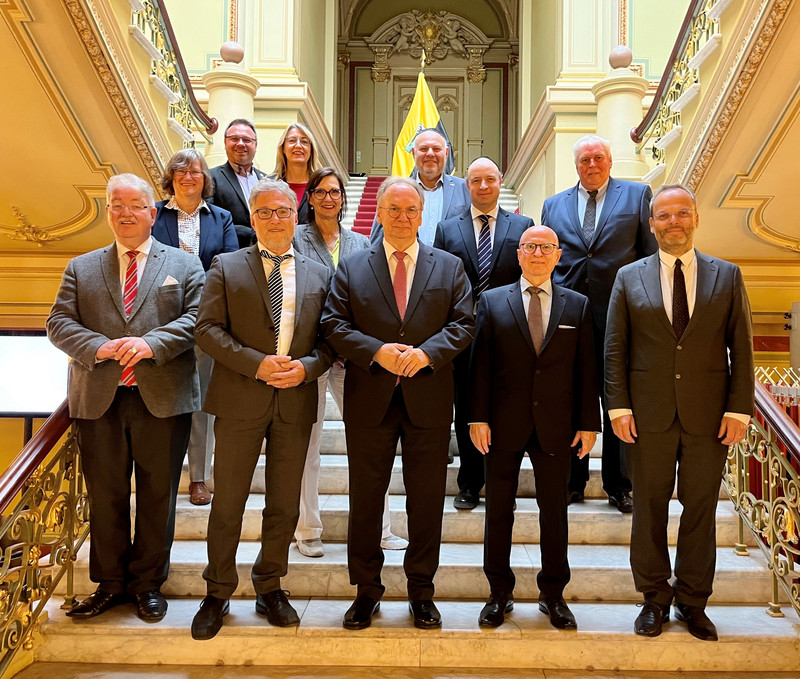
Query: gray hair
x: 406, y: 181
x: 672, y: 187
x: 130, y: 181
x: 266, y: 185
x: 590, y: 139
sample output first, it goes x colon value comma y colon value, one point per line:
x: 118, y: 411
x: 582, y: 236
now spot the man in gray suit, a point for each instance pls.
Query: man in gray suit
x: 679, y: 390
x: 259, y: 320
x: 445, y: 196
x: 125, y: 315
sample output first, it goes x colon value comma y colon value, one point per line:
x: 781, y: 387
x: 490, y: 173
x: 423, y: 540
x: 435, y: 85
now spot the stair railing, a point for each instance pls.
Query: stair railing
x: 44, y: 520
x: 762, y: 477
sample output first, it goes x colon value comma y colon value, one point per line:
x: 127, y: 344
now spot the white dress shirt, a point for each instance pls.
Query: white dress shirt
x: 583, y: 197
x: 477, y: 226
x: 431, y: 211
x: 247, y: 183
x: 289, y: 278
x: 188, y: 226
x: 412, y: 253
x: 141, y: 260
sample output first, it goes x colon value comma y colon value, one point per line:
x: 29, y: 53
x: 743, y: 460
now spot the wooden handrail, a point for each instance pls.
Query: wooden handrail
x: 638, y: 132
x: 779, y: 422
x: 211, y: 124
x: 13, y: 479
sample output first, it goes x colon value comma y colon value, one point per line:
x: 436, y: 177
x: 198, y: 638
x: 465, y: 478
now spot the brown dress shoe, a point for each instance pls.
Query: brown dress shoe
x: 199, y: 494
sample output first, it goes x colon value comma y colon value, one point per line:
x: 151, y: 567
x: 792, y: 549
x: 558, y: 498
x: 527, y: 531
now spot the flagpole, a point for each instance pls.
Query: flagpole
x: 422, y: 60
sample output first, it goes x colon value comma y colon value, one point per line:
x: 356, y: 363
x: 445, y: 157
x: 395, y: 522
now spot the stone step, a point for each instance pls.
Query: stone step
x: 592, y: 522
x: 599, y: 573
x: 604, y: 641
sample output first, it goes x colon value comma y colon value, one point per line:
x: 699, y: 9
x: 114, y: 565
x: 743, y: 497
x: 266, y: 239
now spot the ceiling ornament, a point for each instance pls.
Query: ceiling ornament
x: 24, y: 230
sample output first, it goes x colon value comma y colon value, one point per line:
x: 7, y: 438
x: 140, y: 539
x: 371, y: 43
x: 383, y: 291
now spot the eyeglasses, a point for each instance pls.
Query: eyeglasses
x: 320, y: 194
x: 118, y: 208
x: 236, y: 139
x: 266, y: 213
x: 682, y: 215
x: 305, y: 142
x: 183, y: 172
x: 545, y: 248
x: 395, y: 212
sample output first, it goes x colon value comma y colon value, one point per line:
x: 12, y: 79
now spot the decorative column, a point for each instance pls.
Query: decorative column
x: 381, y: 76
x: 231, y: 92
x: 619, y: 109
x: 476, y: 75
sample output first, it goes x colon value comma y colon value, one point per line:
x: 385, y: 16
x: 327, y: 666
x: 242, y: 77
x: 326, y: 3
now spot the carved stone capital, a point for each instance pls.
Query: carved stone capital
x: 381, y: 75
x: 344, y: 59
x: 476, y: 75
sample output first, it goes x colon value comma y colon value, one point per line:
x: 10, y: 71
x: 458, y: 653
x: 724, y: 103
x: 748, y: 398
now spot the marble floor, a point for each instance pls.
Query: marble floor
x: 86, y: 671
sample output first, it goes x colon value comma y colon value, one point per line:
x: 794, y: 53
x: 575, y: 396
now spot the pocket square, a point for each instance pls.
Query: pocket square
x: 169, y: 280
x: 566, y: 327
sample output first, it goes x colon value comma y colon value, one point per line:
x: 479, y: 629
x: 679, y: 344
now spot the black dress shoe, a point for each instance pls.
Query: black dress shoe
x: 699, y: 625
x: 151, y: 606
x: 426, y: 615
x: 359, y: 615
x: 560, y: 615
x: 277, y: 608
x: 622, y: 501
x: 208, y: 620
x: 466, y: 499
x: 494, y: 612
x: 648, y: 622
x: 574, y: 496
x: 96, y: 603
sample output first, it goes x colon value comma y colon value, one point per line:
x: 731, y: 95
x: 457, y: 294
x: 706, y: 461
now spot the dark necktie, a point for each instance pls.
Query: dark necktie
x: 589, y: 217
x: 680, y: 304
x: 535, y: 319
x: 275, y: 286
x: 484, y: 254
x: 128, y: 297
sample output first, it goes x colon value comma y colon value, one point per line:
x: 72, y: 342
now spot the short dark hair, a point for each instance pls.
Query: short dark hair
x: 316, y: 179
x: 185, y: 158
x: 242, y: 121
x: 672, y: 187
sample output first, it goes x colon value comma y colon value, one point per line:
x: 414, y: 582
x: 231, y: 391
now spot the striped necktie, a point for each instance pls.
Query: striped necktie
x: 275, y: 286
x: 128, y: 298
x: 484, y: 254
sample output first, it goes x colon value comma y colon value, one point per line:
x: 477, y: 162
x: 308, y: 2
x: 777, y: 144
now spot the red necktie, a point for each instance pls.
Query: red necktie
x: 399, y: 285
x: 128, y: 298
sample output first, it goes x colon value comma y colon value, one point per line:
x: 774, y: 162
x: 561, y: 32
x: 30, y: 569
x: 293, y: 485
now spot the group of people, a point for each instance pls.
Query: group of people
x: 456, y: 305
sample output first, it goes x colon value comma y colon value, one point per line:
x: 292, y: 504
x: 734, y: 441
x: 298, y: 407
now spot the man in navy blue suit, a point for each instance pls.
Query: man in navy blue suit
x: 485, y: 238
x: 602, y: 224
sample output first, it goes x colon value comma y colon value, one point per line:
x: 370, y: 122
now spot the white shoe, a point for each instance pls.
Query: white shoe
x: 393, y: 542
x: 312, y: 548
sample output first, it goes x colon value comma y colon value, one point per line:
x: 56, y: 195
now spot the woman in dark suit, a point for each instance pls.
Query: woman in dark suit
x: 296, y: 160
x: 187, y: 222
x: 325, y: 240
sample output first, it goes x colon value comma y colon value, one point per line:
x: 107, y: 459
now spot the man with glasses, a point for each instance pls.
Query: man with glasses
x: 399, y: 312
x: 534, y: 390
x: 125, y: 315
x: 234, y: 180
x: 259, y: 321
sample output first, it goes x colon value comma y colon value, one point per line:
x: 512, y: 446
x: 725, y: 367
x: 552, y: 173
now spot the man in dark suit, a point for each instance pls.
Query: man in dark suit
x: 485, y: 239
x: 125, y: 315
x: 399, y: 313
x: 679, y: 389
x: 602, y: 224
x: 259, y: 321
x: 234, y: 180
x: 534, y: 388
x: 446, y: 196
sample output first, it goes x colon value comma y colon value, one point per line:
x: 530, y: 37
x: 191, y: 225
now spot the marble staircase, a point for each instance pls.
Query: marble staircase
x: 601, y: 594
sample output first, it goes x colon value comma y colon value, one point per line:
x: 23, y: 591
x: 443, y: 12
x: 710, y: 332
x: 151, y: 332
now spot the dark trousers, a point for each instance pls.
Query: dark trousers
x: 371, y: 452
x: 614, y: 465
x: 471, y: 475
x: 654, y: 460
x: 238, y: 446
x: 502, y: 476
x: 129, y: 439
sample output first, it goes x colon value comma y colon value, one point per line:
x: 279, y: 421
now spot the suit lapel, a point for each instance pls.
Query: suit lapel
x: 257, y: 269
x: 110, y: 266
x: 650, y: 274
x: 301, y: 280
x: 613, y: 194
x: 557, y: 304
x: 171, y: 219
x: 501, y: 226
x: 467, y: 231
x: 230, y: 175
x: 518, y: 310
x: 316, y: 241
x: 447, y: 193
x: 422, y: 272
x: 380, y: 269
x: 572, y: 211
x: 152, y: 267
x: 205, y: 228
x: 707, y: 271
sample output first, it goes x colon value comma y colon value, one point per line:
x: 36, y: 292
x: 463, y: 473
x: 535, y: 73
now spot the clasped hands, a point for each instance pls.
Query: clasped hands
x: 125, y: 350
x: 401, y: 359
x: 281, y: 372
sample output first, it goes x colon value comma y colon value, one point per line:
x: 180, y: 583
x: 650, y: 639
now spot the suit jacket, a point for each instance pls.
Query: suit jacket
x: 622, y: 236
x: 229, y: 196
x: 361, y: 315
x: 457, y: 236
x: 455, y: 199
x: 515, y: 391
x: 88, y: 311
x: 650, y: 372
x: 217, y: 233
x: 309, y: 241
x: 235, y: 327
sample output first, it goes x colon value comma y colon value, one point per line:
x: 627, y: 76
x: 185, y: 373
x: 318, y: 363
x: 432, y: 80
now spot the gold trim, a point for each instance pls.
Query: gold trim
x: 622, y: 24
